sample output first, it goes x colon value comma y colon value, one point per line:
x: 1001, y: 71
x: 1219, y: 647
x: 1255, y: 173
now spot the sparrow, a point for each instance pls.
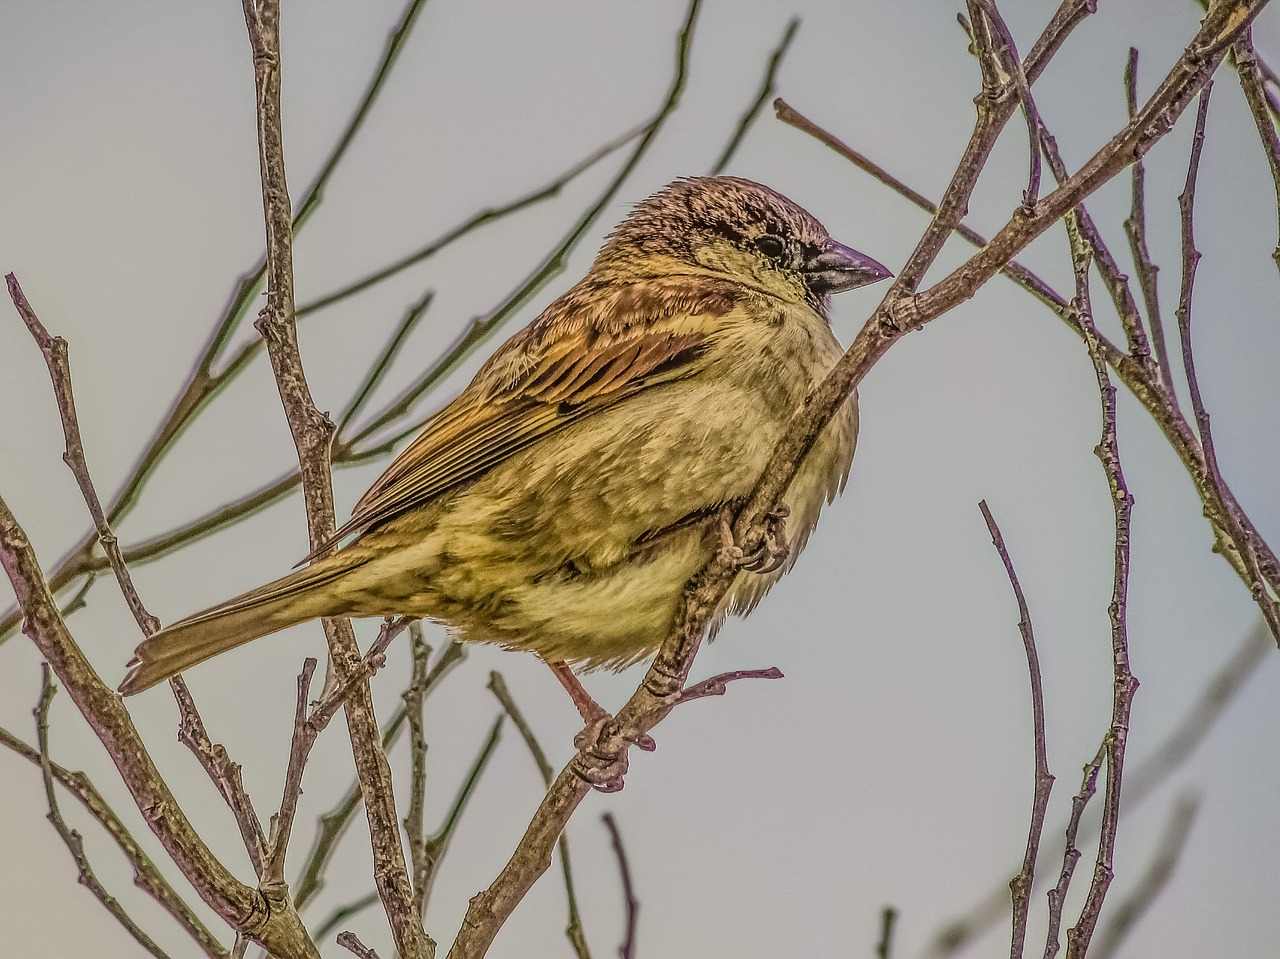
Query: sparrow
x: 560, y: 503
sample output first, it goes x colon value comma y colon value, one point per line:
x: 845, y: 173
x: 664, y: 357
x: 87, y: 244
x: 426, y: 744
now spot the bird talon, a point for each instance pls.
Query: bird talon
x: 774, y: 550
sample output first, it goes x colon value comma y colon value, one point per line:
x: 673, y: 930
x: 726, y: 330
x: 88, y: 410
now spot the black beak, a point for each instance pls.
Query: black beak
x: 838, y: 268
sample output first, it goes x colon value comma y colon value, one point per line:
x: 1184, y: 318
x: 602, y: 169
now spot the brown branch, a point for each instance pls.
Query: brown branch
x: 273, y: 923
x: 54, y: 349
x: 1071, y: 852
x: 573, y: 931
x: 312, y: 432
x: 1249, y: 70
x: 1135, y: 228
x: 719, y: 685
x: 1002, y: 73
x: 145, y: 874
x: 1152, y: 883
x: 222, y: 770
x: 762, y: 97
x: 70, y: 837
x: 632, y: 905
x: 349, y: 940
x: 333, y: 824
x: 1124, y: 684
x: 307, y: 727
x: 413, y: 820
x: 1021, y: 885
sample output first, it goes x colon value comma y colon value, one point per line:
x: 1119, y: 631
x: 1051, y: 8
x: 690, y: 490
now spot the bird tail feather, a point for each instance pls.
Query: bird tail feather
x: 279, y: 604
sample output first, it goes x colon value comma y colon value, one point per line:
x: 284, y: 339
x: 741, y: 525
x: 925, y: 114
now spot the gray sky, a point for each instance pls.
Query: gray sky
x: 893, y: 764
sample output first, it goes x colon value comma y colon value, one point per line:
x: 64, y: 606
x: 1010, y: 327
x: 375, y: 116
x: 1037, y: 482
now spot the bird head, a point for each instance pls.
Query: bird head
x: 728, y: 226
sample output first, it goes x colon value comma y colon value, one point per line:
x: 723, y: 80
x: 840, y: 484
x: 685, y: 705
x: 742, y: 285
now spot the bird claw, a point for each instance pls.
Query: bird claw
x: 605, y: 771
x: 773, y: 550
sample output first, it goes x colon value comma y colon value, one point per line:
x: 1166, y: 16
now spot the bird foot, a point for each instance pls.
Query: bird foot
x: 772, y: 551
x: 603, y: 771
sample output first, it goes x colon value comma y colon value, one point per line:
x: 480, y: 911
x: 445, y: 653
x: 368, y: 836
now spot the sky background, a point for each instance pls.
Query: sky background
x: 893, y: 765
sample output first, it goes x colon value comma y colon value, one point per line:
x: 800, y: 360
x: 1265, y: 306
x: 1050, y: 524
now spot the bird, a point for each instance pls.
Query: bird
x: 560, y: 503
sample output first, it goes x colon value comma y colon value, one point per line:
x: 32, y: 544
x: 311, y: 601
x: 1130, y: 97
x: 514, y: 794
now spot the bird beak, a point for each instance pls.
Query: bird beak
x: 838, y: 268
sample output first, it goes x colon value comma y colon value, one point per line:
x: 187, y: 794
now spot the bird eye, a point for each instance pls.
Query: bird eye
x: 770, y: 246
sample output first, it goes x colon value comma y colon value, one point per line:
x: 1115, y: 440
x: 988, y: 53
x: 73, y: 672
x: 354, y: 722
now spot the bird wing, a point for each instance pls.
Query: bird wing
x: 588, y: 351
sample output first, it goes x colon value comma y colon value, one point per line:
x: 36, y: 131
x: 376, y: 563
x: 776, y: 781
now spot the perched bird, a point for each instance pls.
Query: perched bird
x: 561, y: 502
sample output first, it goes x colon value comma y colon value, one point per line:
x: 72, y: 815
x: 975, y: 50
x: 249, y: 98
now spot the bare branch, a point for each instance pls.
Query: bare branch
x: 1021, y: 885
x: 349, y: 940
x: 274, y: 924
x: 222, y: 770
x: 1124, y: 683
x: 766, y: 91
x: 312, y: 432
x: 1262, y: 106
x: 145, y: 874
x: 1153, y: 882
x: 574, y: 930
x: 54, y: 349
x: 1071, y: 852
x: 628, y: 948
x: 333, y: 824
x: 73, y: 840
x: 1135, y: 228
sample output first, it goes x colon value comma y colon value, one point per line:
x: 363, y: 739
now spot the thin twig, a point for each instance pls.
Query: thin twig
x: 1021, y: 885
x: 1135, y: 228
x: 334, y: 823
x: 307, y: 727
x: 718, y: 685
x: 574, y: 931
x: 1191, y: 260
x: 1150, y: 884
x: 1124, y: 683
x: 884, y: 948
x: 224, y: 773
x: 762, y: 97
x: 437, y: 844
x: 145, y: 874
x: 413, y: 820
x: 1071, y: 852
x: 54, y: 349
x: 1001, y: 68
x: 1250, y: 70
x: 383, y: 363
x: 73, y: 840
x: 631, y: 905
x: 349, y: 940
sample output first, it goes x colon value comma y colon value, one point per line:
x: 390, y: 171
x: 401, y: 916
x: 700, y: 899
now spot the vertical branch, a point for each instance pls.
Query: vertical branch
x: 1124, y: 684
x: 312, y: 433
x: 1021, y: 885
x: 1255, y: 94
x: 1135, y: 228
x: 628, y: 948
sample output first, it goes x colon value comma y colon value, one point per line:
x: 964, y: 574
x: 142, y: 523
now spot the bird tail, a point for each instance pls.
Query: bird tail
x: 287, y: 601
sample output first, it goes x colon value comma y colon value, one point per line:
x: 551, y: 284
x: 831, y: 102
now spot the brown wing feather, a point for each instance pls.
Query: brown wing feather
x: 589, y: 349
